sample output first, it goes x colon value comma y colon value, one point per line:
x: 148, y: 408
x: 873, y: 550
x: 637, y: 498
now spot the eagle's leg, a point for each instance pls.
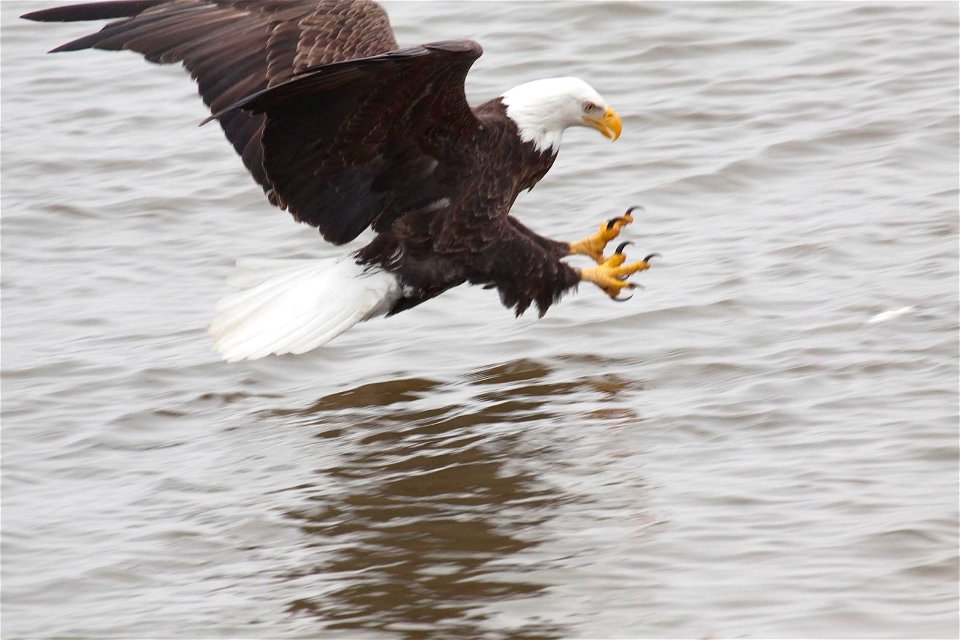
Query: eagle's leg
x: 594, y: 245
x: 611, y: 275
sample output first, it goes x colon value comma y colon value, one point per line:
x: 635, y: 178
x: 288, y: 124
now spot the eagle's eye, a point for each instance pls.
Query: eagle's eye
x: 589, y: 107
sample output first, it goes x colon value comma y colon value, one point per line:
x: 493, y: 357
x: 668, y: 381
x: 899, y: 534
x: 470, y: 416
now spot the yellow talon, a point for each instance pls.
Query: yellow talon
x: 594, y: 245
x: 611, y: 275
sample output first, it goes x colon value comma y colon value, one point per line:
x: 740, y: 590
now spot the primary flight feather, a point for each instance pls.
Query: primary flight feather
x: 347, y: 131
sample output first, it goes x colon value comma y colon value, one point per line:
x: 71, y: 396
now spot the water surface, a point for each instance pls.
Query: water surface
x: 747, y: 448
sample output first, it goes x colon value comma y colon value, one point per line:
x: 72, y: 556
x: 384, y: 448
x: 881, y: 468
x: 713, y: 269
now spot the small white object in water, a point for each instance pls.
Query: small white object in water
x: 890, y: 315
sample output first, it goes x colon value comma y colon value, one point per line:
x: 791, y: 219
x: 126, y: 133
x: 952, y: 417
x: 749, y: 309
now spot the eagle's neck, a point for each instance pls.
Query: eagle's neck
x: 538, y: 120
x: 530, y: 162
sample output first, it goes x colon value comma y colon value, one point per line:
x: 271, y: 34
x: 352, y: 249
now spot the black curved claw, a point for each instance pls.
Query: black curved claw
x: 613, y: 221
x: 652, y: 256
x: 630, y: 285
x: 622, y: 245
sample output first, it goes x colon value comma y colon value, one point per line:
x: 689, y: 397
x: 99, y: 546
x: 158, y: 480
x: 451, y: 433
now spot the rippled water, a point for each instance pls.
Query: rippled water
x: 762, y: 443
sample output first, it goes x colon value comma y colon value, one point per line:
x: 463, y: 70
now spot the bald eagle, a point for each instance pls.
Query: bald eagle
x: 347, y: 131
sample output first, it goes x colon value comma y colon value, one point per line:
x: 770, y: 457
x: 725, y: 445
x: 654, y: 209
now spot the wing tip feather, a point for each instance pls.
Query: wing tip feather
x: 456, y: 46
x: 107, y: 10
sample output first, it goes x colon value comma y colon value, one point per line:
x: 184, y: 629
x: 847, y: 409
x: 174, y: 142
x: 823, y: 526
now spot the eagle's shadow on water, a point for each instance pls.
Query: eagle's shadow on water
x: 439, y: 504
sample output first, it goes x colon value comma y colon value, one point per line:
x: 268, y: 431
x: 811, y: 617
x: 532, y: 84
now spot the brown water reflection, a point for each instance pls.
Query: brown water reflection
x: 433, y: 504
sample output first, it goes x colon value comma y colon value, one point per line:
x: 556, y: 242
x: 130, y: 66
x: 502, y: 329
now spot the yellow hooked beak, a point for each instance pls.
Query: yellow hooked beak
x: 609, y: 125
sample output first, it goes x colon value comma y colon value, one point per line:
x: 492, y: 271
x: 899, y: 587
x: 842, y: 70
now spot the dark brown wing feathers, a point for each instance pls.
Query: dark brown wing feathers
x: 334, y: 123
x: 234, y: 47
x: 93, y: 11
x: 358, y: 142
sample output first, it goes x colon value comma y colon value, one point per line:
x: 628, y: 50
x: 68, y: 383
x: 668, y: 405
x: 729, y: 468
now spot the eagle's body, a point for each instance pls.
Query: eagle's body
x: 347, y: 132
x: 427, y: 250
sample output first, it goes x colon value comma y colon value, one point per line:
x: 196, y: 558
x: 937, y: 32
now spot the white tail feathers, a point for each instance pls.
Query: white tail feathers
x: 293, y: 306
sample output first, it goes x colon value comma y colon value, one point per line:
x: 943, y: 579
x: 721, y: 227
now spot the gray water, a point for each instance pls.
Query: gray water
x: 762, y: 443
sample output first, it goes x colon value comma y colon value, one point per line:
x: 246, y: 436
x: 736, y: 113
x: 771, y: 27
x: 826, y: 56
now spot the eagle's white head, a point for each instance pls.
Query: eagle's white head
x: 543, y: 109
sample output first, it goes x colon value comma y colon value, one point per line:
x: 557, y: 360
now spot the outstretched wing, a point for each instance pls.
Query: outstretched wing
x: 360, y: 142
x: 234, y: 48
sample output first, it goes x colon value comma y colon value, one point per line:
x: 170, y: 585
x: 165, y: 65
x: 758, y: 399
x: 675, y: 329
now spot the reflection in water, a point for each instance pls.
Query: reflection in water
x: 432, y: 505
